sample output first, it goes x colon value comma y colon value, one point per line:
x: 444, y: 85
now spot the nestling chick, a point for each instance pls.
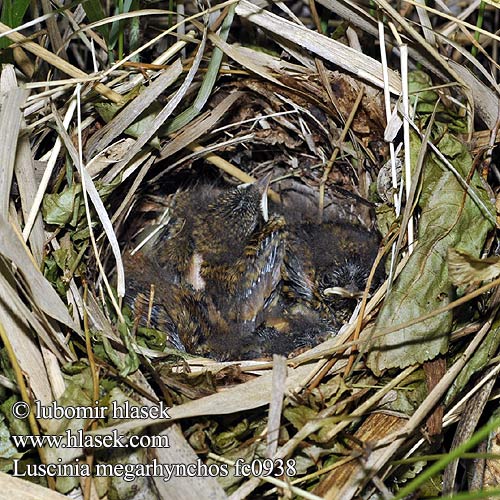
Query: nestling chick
x: 223, y: 250
x: 327, y: 266
x: 233, y: 282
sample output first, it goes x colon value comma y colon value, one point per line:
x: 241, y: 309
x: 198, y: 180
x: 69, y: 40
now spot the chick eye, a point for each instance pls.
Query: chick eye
x: 330, y: 277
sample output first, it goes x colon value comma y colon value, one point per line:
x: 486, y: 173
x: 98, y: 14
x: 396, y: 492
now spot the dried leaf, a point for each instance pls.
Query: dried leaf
x: 28, y: 184
x: 137, y: 116
x: 162, y: 116
x: 202, y: 125
x: 465, y: 269
x: 19, y: 327
x: 43, y: 294
x: 10, y: 123
x: 346, y: 57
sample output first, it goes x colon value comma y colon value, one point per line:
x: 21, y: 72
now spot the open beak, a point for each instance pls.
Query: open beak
x: 262, y: 185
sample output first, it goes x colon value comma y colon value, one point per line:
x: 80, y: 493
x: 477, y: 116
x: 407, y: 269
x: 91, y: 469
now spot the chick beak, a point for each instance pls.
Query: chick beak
x: 343, y: 292
x: 263, y: 185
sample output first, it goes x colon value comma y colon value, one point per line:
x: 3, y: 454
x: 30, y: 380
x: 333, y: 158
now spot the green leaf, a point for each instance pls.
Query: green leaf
x: 486, y: 350
x: 52, y: 273
x: 448, y: 218
x: 17, y: 426
x: 151, y: 338
x: 127, y: 363
x: 298, y: 416
x: 208, y: 82
x: 106, y: 188
x: 386, y: 218
x: 227, y: 440
x: 65, y: 258
x: 112, y: 355
x: 12, y: 15
x: 7, y: 449
x: 143, y: 123
x: 62, y: 208
x: 131, y: 362
x: 95, y: 12
x: 78, y: 391
x: 424, y: 100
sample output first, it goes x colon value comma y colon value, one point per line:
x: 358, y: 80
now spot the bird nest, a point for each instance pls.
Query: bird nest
x: 178, y: 240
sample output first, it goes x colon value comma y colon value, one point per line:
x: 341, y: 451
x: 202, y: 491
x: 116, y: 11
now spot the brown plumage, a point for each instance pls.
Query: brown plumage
x: 175, y: 309
x: 233, y: 282
x: 327, y: 266
x: 210, y: 228
x: 219, y: 259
